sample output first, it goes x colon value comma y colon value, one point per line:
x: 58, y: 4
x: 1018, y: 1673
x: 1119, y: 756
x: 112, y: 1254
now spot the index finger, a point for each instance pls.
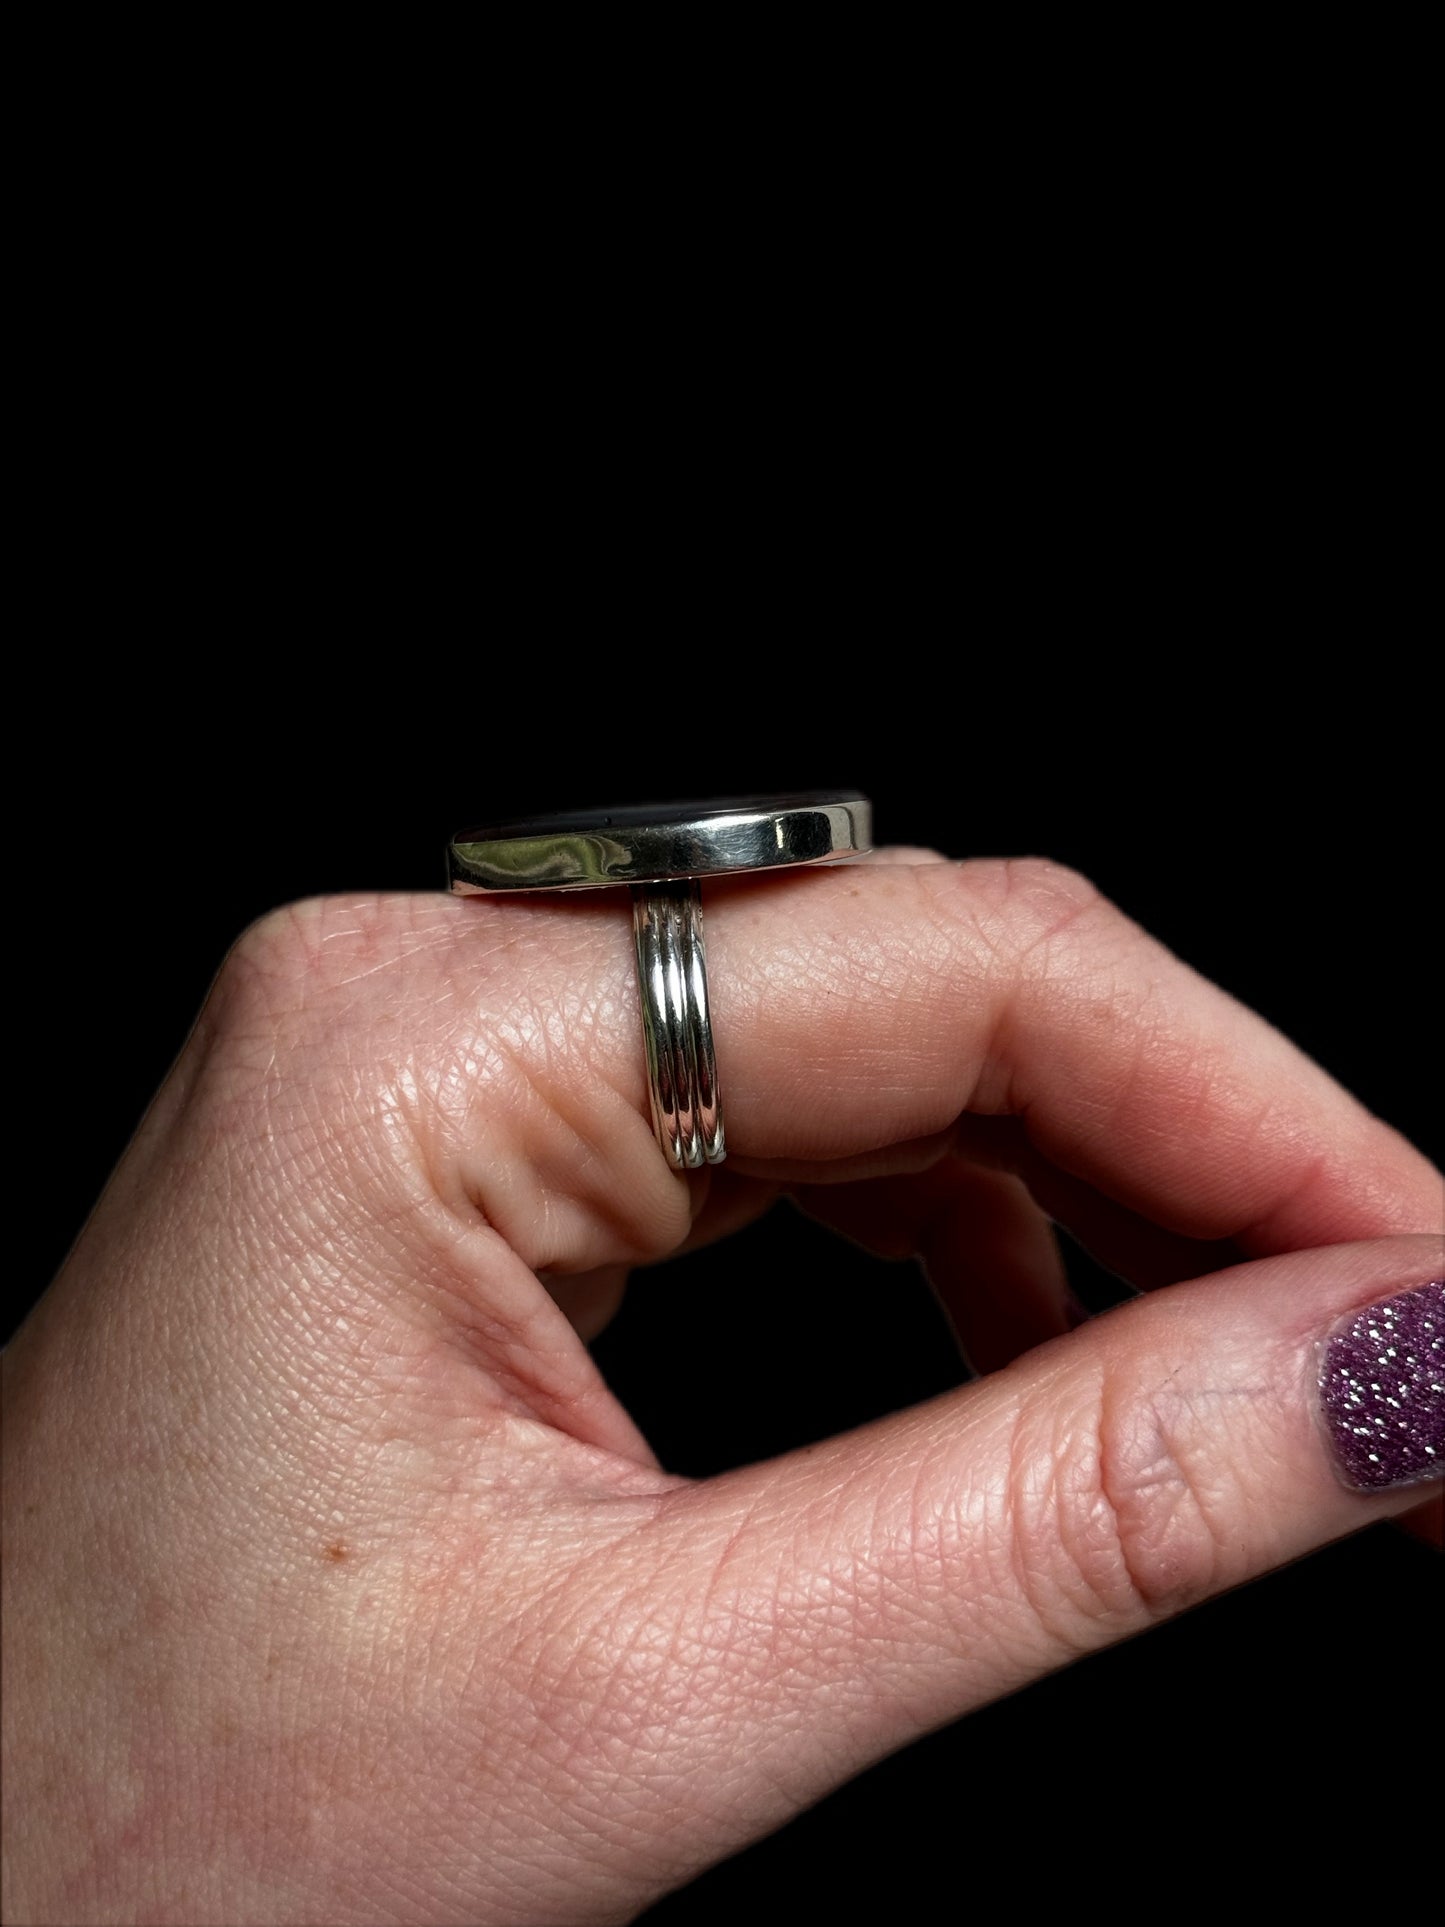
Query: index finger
x: 880, y: 1004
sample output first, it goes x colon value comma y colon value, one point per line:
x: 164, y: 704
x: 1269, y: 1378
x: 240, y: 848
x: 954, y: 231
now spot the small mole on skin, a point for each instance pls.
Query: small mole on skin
x: 336, y: 1551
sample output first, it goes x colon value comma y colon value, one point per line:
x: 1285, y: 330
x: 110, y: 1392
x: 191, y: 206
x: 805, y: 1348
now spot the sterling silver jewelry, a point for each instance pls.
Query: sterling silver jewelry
x: 660, y: 851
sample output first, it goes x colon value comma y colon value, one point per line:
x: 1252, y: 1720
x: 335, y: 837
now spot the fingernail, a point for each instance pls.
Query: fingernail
x: 1382, y: 1385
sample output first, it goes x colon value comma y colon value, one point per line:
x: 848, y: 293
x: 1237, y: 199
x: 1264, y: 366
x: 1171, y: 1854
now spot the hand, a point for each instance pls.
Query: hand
x: 348, y: 1591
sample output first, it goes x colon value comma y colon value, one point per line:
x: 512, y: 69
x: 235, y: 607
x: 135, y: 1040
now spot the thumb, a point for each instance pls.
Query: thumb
x: 842, y: 1600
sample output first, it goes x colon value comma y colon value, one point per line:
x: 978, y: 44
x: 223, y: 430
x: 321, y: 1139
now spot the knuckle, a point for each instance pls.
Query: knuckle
x: 284, y: 1042
x: 1159, y: 1485
x: 260, y: 1007
x: 1013, y: 906
x: 286, y: 959
x: 1119, y: 1505
x: 1035, y: 892
x: 306, y: 969
x: 264, y: 976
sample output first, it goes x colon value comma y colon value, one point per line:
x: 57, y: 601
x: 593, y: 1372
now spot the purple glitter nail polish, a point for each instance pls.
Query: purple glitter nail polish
x: 1382, y: 1385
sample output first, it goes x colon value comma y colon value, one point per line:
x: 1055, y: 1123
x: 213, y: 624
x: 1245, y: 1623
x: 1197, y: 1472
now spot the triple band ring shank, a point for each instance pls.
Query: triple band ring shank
x: 660, y: 851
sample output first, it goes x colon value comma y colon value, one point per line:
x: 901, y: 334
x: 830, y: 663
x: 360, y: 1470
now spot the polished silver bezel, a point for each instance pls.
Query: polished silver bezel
x: 665, y: 843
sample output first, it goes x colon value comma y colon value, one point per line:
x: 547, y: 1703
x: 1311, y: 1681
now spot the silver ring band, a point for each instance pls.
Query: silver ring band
x: 676, y: 1032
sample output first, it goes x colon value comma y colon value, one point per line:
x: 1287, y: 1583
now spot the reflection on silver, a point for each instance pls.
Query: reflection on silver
x: 676, y: 1032
x: 572, y: 862
x: 589, y: 850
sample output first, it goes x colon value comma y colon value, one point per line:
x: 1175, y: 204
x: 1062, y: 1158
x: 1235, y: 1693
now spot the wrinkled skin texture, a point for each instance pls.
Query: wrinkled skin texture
x: 338, y: 1586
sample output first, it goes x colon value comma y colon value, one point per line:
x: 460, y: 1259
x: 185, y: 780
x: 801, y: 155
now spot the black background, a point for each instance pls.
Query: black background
x: 1277, y: 836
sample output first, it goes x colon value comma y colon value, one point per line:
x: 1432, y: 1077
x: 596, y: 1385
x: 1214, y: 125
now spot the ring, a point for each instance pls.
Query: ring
x: 660, y: 851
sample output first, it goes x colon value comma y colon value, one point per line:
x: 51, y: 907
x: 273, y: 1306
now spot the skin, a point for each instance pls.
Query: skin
x: 339, y: 1588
